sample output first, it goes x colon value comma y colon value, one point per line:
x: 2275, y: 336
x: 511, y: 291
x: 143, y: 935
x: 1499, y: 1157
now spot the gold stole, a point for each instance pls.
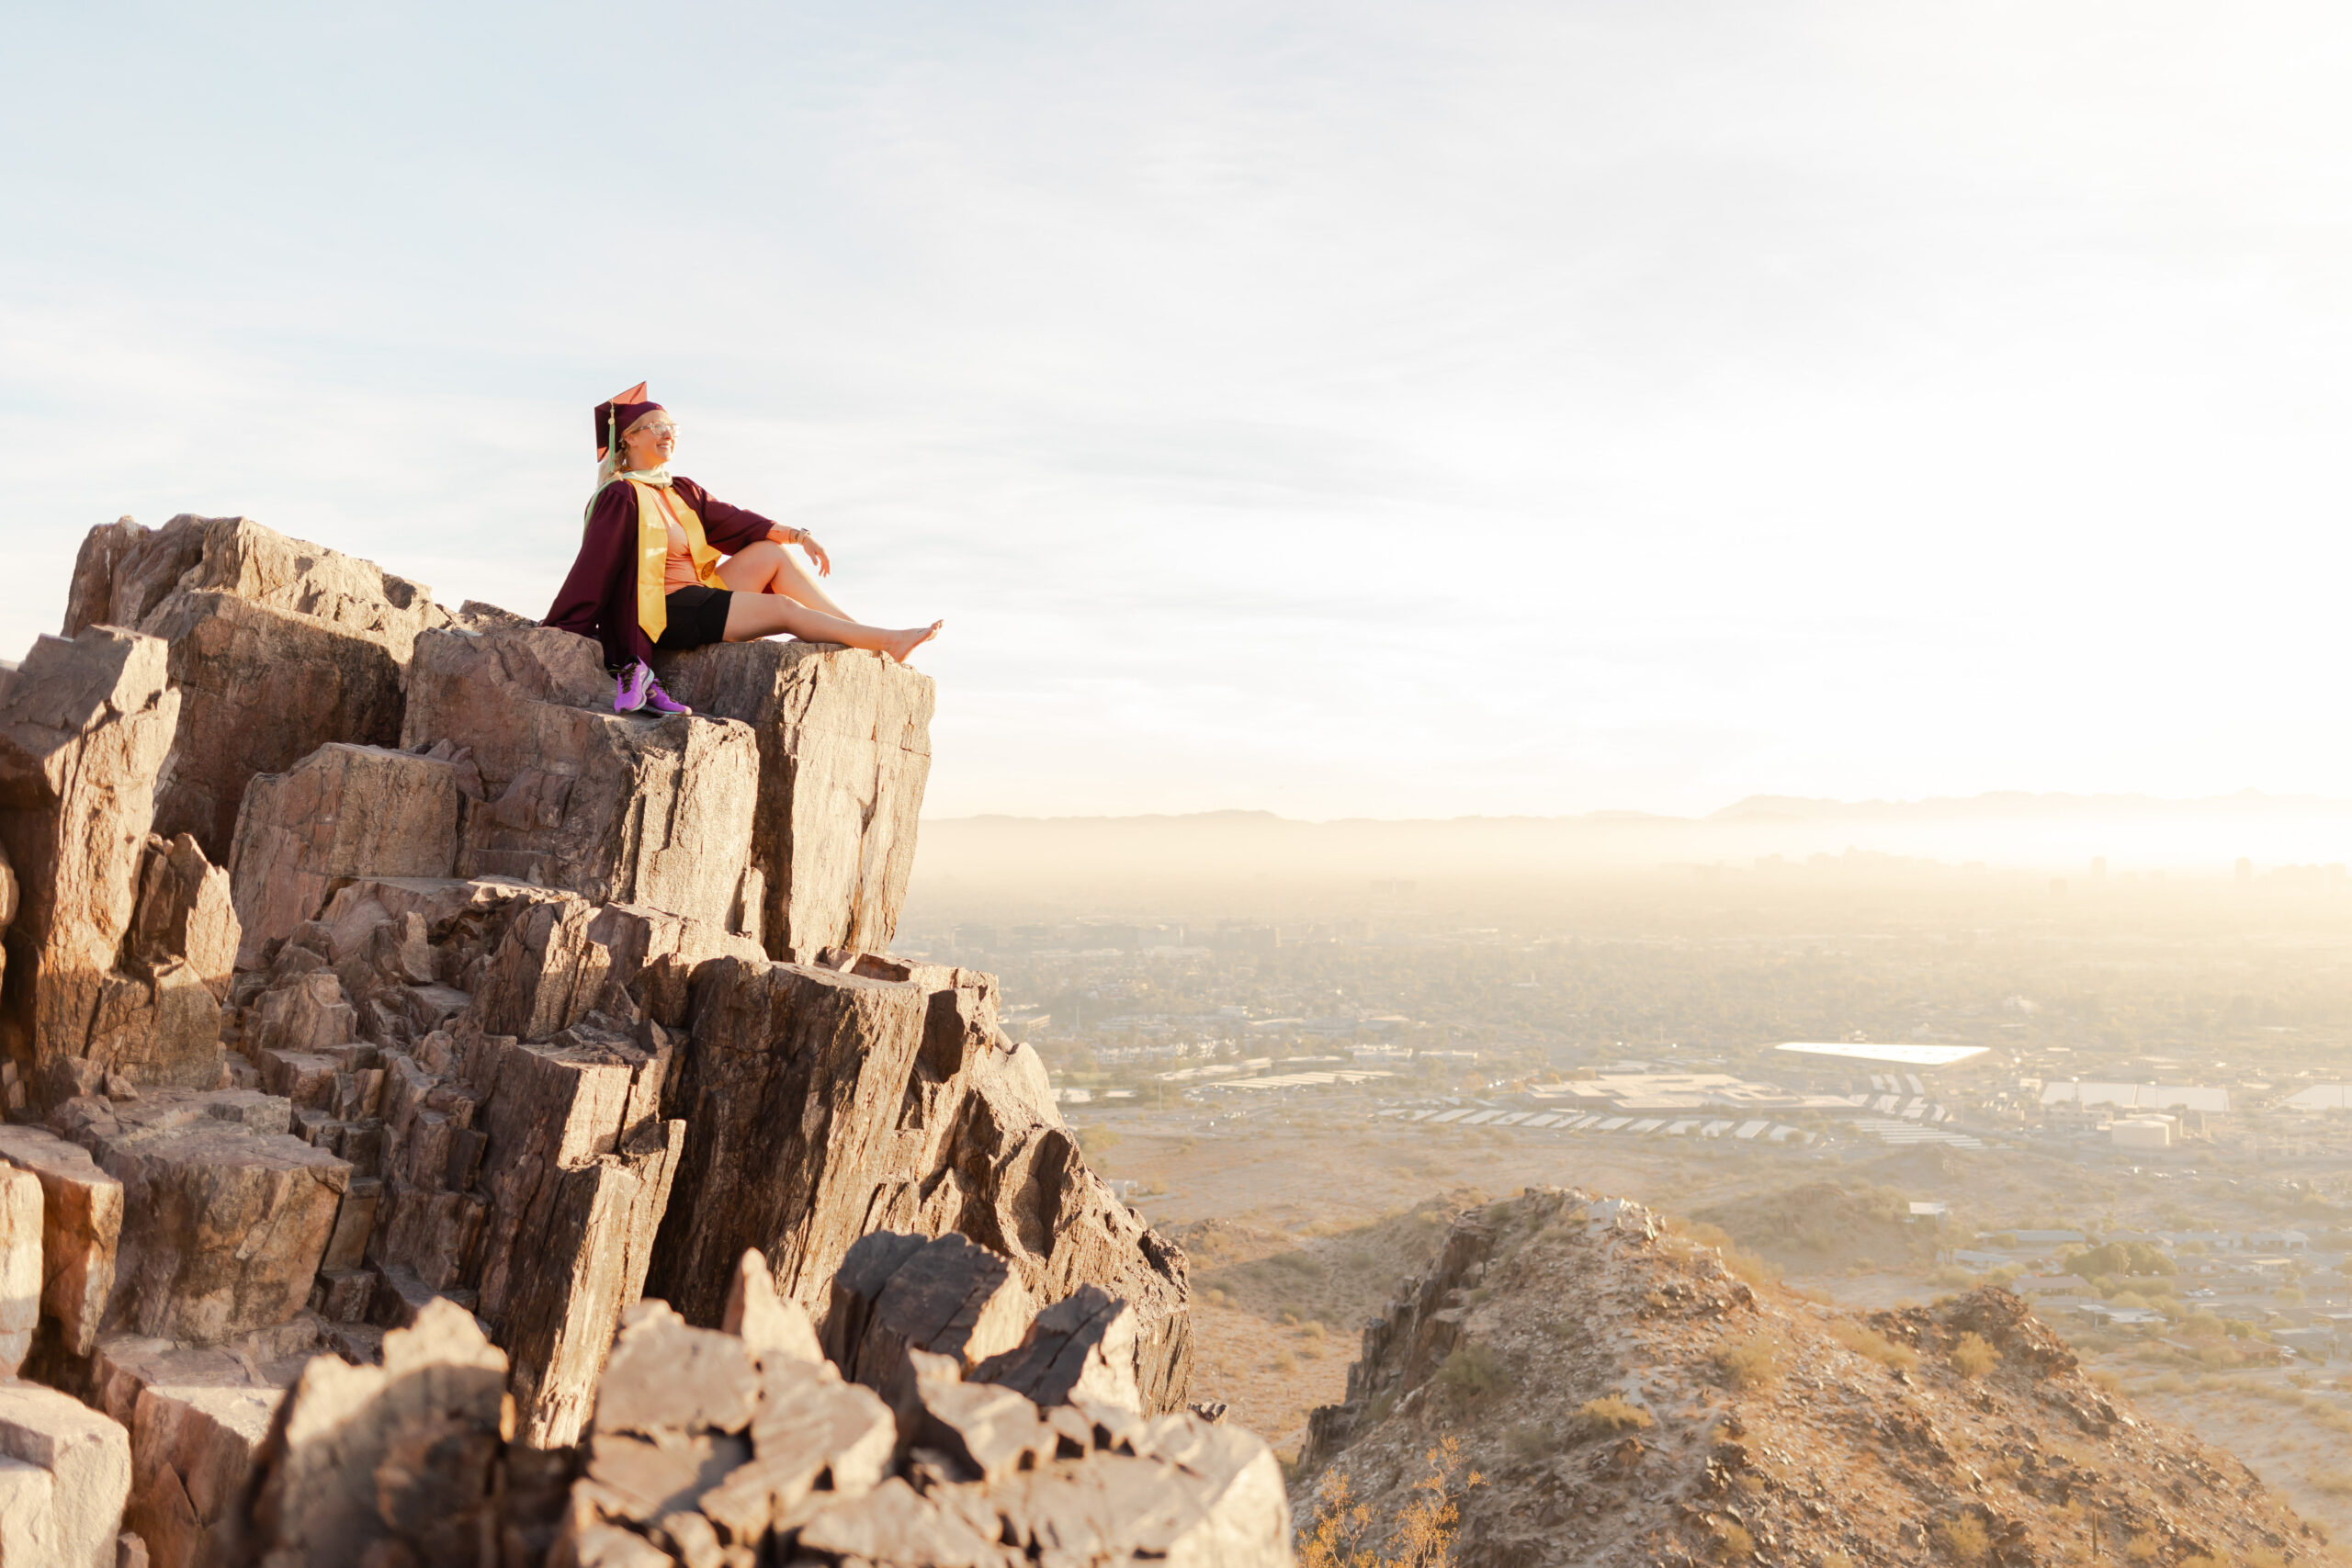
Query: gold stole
x: 655, y: 507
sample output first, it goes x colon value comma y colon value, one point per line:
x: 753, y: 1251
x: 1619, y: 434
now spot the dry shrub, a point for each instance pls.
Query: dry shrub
x: 1423, y: 1535
x: 1474, y: 1370
x: 1613, y: 1414
x: 1734, y: 1544
x: 1973, y: 1356
x: 2144, y: 1547
x: 1864, y: 1341
x: 1750, y: 1363
x: 1962, y: 1537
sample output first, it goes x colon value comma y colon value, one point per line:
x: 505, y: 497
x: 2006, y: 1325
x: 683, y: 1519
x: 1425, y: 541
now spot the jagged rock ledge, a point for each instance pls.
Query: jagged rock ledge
x: 382, y: 1018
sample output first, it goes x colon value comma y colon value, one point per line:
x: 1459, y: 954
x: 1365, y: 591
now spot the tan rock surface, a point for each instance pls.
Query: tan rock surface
x: 277, y: 647
x: 844, y: 744
x: 185, y: 914
x: 620, y: 809
x: 87, y: 1461
x: 81, y: 1219
x: 342, y: 811
x: 405, y: 1455
x: 198, y: 1418
x: 824, y: 1105
x: 225, y: 1216
x: 21, y: 1280
x: 83, y: 727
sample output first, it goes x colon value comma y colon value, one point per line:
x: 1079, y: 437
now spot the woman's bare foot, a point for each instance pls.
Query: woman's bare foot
x: 900, y: 644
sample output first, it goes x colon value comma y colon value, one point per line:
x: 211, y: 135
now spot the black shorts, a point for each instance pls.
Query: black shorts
x: 698, y: 616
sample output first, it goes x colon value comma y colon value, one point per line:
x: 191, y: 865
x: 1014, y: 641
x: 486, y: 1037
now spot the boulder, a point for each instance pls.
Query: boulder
x: 20, y: 1281
x: 68, y: 1511
x: 621, y: 809
x: 185, y: 913
x: 276, y: 646
x: 825, y: 1104
x: 771, y: 1324
x: 791, y: 1084
x: 159, y: 1018
x: 1083, y: 1347
x: 577, y: 1166
x: 387, y: 1464
x: 83, y: 727
x: 225, y: 1216
x: 80, y: 1229
x: 944, y: 1296
x: 342, y: 811
x: 664, y: 1374
x: 198, y: 1418
x: 844, y: 745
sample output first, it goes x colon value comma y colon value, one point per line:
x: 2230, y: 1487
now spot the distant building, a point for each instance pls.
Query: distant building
x: 2277, y: 1241
x: 2142, y: 1133
x: 2136, y: 1096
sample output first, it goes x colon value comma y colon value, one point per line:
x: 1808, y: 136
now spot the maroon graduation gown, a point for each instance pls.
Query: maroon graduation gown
x: 599, y: 599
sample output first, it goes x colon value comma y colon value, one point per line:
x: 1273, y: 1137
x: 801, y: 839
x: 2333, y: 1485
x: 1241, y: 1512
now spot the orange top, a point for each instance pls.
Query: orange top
x: 678, y: 566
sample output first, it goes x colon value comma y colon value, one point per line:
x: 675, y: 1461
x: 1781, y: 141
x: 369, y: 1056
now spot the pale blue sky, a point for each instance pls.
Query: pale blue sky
x: 1345, y: 408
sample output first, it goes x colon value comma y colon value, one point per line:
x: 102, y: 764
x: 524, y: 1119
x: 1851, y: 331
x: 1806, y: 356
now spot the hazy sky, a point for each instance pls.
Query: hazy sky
x: 1344, y: 409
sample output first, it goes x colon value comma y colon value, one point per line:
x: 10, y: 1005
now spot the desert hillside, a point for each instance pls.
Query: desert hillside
x: 1590, y: 1388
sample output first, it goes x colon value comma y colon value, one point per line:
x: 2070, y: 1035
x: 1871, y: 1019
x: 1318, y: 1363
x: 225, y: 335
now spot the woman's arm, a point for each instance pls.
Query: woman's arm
x: 729, y: 528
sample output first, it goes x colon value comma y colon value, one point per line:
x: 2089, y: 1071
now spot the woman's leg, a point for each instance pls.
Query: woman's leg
x: 767, y: 567
x: 751, y: 616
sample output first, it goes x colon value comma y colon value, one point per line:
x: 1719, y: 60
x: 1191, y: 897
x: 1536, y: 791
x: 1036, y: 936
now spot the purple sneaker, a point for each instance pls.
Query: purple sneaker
x: 629, y: 692
x: 660, y: 701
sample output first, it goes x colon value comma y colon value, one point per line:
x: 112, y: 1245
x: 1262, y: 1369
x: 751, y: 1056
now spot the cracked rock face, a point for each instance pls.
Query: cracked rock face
x: 709, y: 1447
x: 385, y: 1023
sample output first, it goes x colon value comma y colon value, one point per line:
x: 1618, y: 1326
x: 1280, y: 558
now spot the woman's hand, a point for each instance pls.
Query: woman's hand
x: 807, y: 542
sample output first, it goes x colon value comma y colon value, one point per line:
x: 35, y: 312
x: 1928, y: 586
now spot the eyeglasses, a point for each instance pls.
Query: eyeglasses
x: 657, y: 429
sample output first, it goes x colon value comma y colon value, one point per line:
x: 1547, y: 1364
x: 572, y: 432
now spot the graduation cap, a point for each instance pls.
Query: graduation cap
x: 624, y: 410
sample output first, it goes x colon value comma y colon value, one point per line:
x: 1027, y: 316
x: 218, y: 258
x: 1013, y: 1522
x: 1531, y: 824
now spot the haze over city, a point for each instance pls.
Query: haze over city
x: 1343, y: 410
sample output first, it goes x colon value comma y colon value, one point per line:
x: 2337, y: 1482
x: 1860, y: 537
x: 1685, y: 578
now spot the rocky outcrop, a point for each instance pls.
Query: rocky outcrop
x: 1585, y: 1386
x: 385, y: 1016
x: 707, y: 1448
x: 617, y: 807
x: 277, y: 647
x: 824, y: 1104
x: 845, y: 743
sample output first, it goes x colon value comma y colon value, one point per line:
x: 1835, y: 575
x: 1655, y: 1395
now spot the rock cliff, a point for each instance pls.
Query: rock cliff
x: 386, y: 1021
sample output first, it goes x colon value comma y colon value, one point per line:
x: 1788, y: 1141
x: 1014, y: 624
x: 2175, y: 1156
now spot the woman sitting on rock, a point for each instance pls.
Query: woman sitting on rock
x: 650, y: 573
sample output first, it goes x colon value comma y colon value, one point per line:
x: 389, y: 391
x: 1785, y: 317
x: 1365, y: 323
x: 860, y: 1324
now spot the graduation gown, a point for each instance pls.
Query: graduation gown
x: 600, y: 599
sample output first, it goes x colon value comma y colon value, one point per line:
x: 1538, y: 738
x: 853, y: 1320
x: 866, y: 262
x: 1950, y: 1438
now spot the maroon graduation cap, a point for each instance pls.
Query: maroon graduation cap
x: 624, y: 410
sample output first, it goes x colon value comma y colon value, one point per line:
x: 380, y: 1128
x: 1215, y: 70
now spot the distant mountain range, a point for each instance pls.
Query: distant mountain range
x: 1993, y: 806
